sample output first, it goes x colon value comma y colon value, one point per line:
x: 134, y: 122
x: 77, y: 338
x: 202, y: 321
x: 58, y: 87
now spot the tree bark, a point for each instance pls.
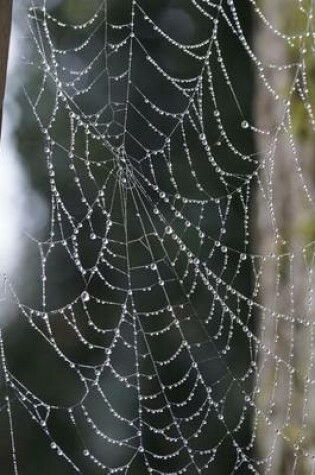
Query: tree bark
x: 5, y: 28
x: 285, y: 396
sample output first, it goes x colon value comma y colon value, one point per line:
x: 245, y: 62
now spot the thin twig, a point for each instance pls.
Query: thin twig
x: 5, y: 28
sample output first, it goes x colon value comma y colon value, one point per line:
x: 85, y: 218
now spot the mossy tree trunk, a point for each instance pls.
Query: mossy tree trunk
x: 5, y: 27
x: 5, y: 445
x: 285, y: 224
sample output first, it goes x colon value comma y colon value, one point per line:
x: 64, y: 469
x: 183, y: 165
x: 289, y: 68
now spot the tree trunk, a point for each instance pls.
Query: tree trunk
x: 5, y: 27
x: 285, y: 224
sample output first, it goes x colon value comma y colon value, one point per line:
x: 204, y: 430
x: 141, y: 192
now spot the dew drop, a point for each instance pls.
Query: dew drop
x: 85, y: 296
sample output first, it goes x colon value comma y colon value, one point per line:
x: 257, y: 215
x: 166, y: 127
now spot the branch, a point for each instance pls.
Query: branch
x: 5, y: 28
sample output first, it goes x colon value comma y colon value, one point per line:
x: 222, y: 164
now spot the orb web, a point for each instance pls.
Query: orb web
x: 146, y: 183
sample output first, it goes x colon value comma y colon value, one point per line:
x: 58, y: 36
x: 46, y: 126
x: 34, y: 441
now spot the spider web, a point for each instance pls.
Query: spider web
x: 146, y: 186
